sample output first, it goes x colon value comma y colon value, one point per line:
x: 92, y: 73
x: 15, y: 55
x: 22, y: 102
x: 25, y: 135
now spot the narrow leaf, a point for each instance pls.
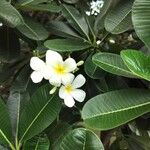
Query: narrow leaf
x: 76, y: 19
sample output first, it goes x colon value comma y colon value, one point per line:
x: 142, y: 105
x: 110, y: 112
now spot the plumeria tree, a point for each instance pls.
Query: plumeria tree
x: 74, y: 74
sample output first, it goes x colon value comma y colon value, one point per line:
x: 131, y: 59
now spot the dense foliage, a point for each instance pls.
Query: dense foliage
x: 112, y: 37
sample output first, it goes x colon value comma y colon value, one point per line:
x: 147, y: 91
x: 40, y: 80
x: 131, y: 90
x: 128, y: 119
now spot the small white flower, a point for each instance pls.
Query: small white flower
x: 70, y: 92
x: 1, y: 24
x: 98, y: 42
x: 95, y: 7
x: 88, y: 13
x: 59, y: 70
x: 40, y: 70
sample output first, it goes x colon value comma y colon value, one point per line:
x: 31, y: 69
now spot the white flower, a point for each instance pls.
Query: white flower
x: 59, y: 70
x: 98, y: 42
x: 95, y: 7
x: 69, y: 91
x: 39, y: 68
x: 1, y: 24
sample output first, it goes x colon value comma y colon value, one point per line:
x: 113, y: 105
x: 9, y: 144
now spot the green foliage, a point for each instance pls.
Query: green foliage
x: 137, y: 62
x: 66, y: 45
x: 115, y: 108
x: 112, y: 63
x: 141, y: 19
x: 81, y: 139
x: 118, y: 20
x: 114, y: 46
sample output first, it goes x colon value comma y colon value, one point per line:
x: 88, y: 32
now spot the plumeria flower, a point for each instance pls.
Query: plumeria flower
x: 95, y: 7
x: 69, y: 90
x: 40, y: 70
x: 59, y: 70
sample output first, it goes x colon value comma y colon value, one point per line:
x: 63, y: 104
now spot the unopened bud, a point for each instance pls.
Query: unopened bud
x: 80, y: 63
x: 98, y: 42
x: 52, y: 91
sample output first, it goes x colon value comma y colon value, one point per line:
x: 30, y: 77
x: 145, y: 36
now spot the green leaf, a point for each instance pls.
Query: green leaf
x: 46, y: 7
x: 81, y: 139
x: 56, y: 133
x: 112, y: 63
x: 71, y: 1
x: 40, y: 112
x: 141, y: 20
x: 76, y: 20
x: 137, y: 62
x: 5, y: 126
x: 66, y: 45
x: 33, y: 30
x: 37, y: 143
x: 118, y: 20
x: 15, y: 103
x: 9, y: 14
x: 92, y: 70
x: 61, y: 29
x: 112, y: 109
x: 26, y: 2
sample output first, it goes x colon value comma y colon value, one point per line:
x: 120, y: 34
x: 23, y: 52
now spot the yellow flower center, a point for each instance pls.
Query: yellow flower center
x: 59, y: 69
x: 69, y: 88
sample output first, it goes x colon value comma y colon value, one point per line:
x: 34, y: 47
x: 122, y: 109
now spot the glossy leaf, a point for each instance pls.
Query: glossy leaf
x: 5, y: 126
x: 112, y: 109
x: 45, y: 7
x: 112, y: 63
x: 92, y: 70
x: 118, y: 19
x: 137, y: 62
x: 76, y: 20
x: 81, y: 139
x: 141, y: 20
x: 37, y: 143
x: 66, y: 45
x: 71, y: 1
x: 33, y: 30
x: 26, y: 2
x: 16, y: 102
x: 9, y: 14
x: 61, y: 29
x: 40, y: 112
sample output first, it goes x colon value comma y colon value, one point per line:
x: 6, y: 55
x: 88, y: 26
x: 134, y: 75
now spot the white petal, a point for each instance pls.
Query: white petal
x: 53, y: 58
x: 62, y: 93
x: 70, y: 64
x: 47, y: 72
x: 67, y: 78
x: 36, y: 64
x: 78, y: 95
x: 69, y: 101
x: 36, y: 76
x: 55, y: 80
x: 79, y: 81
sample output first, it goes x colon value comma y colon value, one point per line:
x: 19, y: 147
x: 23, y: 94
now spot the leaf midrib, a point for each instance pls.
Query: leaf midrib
x: 126, y: 71
x: 30, y: 125
x: 119, y: 110
x: 76, y: 21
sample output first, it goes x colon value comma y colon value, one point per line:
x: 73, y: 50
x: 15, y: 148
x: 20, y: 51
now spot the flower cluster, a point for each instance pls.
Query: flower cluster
x: 95, y: 7
x: 60, y: 74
